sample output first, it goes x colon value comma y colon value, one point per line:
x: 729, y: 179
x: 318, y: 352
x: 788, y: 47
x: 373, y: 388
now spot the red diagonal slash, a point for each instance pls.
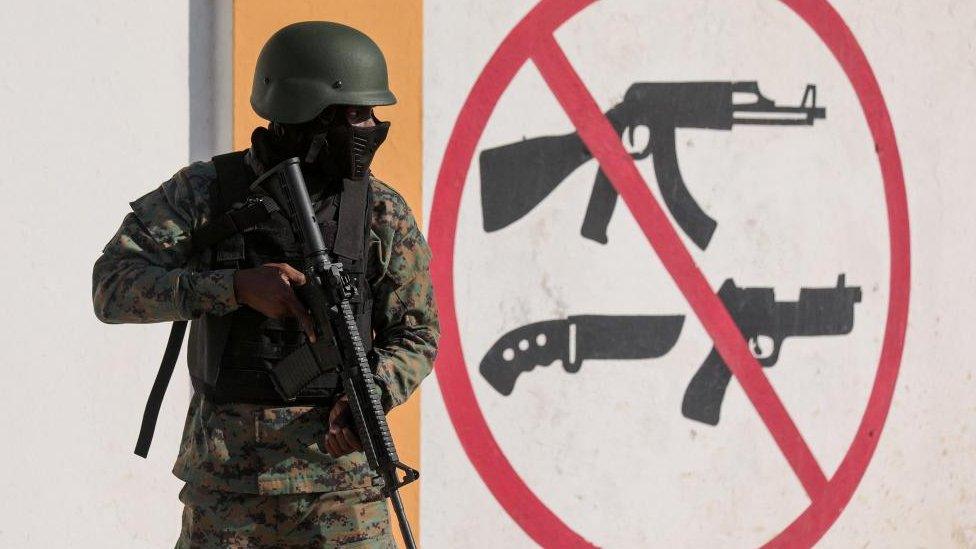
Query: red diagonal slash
x: 604, y: 143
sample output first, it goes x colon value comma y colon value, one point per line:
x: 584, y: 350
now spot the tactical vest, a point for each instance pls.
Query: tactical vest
x: 234, y: 357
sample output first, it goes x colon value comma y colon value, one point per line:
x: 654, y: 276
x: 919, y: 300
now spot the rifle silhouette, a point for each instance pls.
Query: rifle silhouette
x: 518, y: 176
x: 818, y: 312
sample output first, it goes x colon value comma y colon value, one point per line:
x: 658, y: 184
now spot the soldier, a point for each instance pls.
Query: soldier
x: 260, y: 471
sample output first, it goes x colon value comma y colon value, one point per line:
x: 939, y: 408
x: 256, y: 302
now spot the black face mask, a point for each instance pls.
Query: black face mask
x: 346, y: 150
x: 333, y: 149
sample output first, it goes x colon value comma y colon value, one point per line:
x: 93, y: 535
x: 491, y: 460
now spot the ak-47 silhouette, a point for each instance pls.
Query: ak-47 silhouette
x: 518, y: 176
x: 818, y: 312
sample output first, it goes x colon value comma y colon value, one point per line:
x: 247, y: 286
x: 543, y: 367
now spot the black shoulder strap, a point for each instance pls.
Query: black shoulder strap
x: 155, y: 401
x: 236, y: 220
x: 233, y: 180
x: 231, y: 210
x: 349, y: 239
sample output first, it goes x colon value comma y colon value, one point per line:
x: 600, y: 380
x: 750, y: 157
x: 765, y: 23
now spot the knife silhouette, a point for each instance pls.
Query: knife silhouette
x: 575, y: 339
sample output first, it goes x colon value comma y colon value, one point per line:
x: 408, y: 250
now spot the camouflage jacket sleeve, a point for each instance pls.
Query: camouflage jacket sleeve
x: 404, y: 313
x: 144, y: 273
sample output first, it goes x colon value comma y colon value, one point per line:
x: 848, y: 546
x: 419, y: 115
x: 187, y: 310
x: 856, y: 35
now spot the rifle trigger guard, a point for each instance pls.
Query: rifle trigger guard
x: 647, y: 149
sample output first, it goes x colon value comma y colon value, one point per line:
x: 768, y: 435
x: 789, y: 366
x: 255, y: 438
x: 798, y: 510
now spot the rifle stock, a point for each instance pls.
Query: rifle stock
x: 516, y: 177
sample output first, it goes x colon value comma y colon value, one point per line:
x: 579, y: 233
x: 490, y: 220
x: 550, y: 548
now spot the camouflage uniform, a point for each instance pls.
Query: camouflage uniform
x: 258, y: 475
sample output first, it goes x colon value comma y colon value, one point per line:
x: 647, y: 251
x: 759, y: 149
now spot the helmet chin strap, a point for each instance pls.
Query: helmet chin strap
x: 319, y: 141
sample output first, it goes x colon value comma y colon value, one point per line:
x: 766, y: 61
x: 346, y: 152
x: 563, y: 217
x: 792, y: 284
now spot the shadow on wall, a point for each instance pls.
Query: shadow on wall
x: 209, y: 78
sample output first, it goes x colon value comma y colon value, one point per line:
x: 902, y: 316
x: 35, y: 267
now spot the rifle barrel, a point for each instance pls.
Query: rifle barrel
x: 777, y: 116
x: 402, y: 519
x: 764, y: 112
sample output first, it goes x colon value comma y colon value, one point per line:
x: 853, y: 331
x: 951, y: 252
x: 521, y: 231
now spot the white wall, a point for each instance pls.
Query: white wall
x: 607, y: 449
x: 96, y: 111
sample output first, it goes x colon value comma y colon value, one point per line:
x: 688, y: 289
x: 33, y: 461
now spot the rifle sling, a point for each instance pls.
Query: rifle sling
x: 237, y: 220
x: 230, y: 223
x: 352, y: 216
x: 155, y: 400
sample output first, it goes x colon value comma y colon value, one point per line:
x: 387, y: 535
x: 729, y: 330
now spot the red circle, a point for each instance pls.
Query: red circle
x: 521, y: 503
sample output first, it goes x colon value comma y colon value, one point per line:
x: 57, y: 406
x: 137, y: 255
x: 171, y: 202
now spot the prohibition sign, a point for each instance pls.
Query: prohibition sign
x: 532, y: 39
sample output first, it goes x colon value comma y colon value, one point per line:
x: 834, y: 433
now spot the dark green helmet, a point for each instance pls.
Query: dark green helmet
x: 307, y: 66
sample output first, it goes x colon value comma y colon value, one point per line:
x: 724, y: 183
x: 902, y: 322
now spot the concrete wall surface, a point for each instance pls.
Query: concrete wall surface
x: 96, y: 110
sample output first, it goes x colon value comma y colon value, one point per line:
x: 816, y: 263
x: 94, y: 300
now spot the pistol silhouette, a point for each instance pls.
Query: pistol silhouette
x: 818, y: 312
x: 518, y: 176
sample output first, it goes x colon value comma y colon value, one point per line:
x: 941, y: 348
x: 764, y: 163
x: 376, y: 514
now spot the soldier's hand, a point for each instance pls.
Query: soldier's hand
x: 341, y: 438
x: 268, y: 290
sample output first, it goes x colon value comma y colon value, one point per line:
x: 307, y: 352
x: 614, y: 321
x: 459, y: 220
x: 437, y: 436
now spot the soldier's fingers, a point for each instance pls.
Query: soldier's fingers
x: 347, y: 439
x: 279, y: 270
x: 340, y: 439
x: 337, y: 409
x: 297, y: 310
x: 339, y: 444
x: 330, y: 446
x: 352, y: 439
x: 289, y: 273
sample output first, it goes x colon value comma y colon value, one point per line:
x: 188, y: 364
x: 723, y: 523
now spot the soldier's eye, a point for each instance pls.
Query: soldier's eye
x: 356, y: 115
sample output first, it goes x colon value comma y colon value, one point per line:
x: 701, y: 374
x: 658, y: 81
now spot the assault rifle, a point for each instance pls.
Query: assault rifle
x: 818, y: 312
x: 328, y: 293
x: 518, y: 176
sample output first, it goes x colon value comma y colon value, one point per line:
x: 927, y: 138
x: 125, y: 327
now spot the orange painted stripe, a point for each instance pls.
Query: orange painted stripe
x: 398, y: 29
